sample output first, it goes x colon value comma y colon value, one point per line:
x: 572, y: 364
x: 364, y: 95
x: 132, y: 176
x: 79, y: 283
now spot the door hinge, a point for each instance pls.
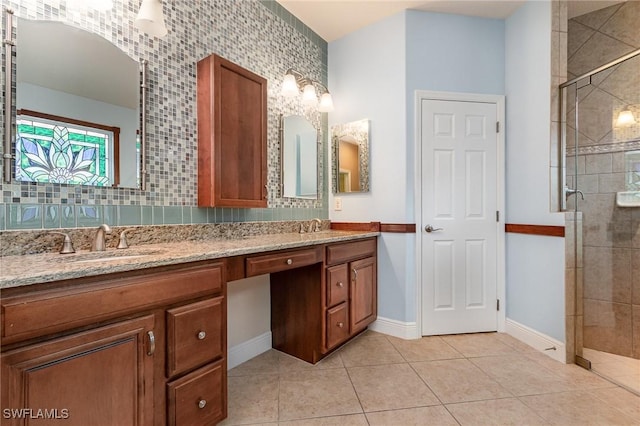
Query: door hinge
x: 497, y: 304
x: 497, y: 215
x: 497, y: 127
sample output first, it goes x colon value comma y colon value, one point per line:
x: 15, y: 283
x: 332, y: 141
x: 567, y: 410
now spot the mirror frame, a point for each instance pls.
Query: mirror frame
x: 10, y: 108
x: 358, y: 130
x: 281, y: 131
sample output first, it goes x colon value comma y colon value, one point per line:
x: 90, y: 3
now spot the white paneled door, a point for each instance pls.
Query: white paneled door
x: 459, y: 216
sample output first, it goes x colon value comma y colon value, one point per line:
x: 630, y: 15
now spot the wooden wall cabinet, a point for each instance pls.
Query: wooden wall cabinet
x: 232, y: 135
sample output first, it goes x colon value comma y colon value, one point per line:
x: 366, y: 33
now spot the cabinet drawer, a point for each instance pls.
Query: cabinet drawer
x: 195, y: 334
x: 276, y: 262
x: 337, y: 284
x: 97, y: 299
x: 343, y: 252
x: 198, y: 398
x: 337, y: 325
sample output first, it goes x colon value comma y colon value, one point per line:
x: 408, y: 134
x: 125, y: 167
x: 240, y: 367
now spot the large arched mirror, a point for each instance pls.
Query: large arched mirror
x: 77, y: 110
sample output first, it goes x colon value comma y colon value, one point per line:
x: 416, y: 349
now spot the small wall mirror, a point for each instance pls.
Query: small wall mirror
x: 351, y: 156
x: 77, y: 108
x: 299, y: 158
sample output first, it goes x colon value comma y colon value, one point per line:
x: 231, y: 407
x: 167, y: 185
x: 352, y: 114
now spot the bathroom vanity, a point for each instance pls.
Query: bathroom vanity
x: 140, y: 338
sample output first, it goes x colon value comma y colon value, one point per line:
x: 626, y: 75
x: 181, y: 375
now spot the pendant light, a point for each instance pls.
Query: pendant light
x: 150, y: 18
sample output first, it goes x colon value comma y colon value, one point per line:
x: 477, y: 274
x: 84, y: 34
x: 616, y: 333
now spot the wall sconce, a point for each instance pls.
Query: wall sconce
x: 294, y: 83
x: 150, y: 18
x: 625, y: 118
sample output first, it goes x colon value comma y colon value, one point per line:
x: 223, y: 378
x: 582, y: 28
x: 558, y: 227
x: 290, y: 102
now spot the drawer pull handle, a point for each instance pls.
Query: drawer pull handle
x: 340, y: 324
x: 289, y: 261
x: 355, y: 274
x: 152, y: 343
x: 202, y: 403
x: 202, y: 335
x: 340, y: 284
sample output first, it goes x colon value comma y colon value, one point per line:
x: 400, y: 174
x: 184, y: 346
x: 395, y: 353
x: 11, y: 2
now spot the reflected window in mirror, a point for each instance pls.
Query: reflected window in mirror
x: 51, y: 149
x: 299, y: 162
x: 77, y: 107
x: 351, y: 156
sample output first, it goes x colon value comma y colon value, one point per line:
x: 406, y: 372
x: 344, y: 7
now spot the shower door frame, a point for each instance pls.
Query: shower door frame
x: 564, y: 190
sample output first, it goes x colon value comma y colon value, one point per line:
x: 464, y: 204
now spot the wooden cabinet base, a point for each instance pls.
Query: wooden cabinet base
x: 99, y: 377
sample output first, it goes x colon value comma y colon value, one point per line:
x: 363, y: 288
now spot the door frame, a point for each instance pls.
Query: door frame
x: 499, y: 101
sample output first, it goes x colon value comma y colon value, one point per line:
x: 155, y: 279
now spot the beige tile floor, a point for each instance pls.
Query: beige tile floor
x: 621, y: 370
x: 473, y: 379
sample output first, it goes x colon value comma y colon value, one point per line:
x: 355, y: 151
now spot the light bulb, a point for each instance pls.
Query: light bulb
x: 150, y: 18
x: 625, y: 118
x: 326, y: 103
x: 289, y: 86
x: 309, y: 95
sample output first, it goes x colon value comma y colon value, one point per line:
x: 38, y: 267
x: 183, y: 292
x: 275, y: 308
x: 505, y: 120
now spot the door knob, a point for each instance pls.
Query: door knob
x: 431, y: 229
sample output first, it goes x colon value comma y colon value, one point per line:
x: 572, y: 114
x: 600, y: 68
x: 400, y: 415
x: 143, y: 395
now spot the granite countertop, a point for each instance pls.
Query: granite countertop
x: 24, y: 270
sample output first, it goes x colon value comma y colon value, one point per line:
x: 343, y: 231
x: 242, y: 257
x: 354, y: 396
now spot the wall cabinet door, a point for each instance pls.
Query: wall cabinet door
x: 363, y: 293
x: 232, y: 135
x: 98, y: 377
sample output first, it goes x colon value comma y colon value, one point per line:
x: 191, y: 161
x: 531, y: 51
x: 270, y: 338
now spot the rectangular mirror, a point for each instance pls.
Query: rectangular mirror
x: 77, y: 108
x: 299, y: 158
x: 351, y: 156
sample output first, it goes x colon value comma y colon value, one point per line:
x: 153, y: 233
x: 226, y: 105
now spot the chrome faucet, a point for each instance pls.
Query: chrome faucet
x: 98, y: 240
x: 315, y: 224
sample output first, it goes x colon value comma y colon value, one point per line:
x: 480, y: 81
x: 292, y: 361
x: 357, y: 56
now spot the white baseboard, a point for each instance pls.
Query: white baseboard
x: 537, y: 340
x: 403, y: 330
x: 247, y: 350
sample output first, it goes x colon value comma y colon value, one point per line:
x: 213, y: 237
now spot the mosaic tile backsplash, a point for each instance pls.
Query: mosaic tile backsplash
x: 258, y: 35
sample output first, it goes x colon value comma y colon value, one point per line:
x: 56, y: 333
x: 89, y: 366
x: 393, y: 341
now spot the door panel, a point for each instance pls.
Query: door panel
x: 459, y: 202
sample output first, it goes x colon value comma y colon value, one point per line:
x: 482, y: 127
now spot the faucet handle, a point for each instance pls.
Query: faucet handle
x: 302, y: 231
x: 123, y: 243
x: 67, y: 245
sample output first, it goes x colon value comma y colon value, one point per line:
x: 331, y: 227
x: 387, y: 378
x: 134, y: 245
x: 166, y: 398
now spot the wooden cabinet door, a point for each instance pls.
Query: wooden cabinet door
x: 98, y: 377
x: 232, y: 135
x: 363, y: 293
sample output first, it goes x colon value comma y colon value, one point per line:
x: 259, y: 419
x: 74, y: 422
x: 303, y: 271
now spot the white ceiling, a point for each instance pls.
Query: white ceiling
x: 333, y: 19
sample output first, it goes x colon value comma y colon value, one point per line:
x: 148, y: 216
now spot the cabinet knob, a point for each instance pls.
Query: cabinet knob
x: 289, y: 261
x: 202, y: 403
x: 340, y: 324
x: 354, y: 271
x: 202, y: 335
x: 340, y: 284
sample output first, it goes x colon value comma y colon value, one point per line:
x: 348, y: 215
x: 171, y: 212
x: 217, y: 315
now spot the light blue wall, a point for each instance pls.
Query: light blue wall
x: 450, y: 53
x: 367, y: 80
x: 373, y: 73
x: 535, y: 264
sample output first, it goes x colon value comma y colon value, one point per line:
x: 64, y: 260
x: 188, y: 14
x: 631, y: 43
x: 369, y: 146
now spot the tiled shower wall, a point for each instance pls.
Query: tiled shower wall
x: 608, y: 294
x: 258, y: 35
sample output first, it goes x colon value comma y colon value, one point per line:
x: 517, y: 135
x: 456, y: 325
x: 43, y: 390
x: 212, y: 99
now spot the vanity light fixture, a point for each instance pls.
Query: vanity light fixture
x: 625, y: 118
x: 150, y: 18
x: 295, y: 83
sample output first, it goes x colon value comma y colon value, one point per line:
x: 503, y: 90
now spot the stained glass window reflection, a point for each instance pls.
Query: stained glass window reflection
x: 56, y: 152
